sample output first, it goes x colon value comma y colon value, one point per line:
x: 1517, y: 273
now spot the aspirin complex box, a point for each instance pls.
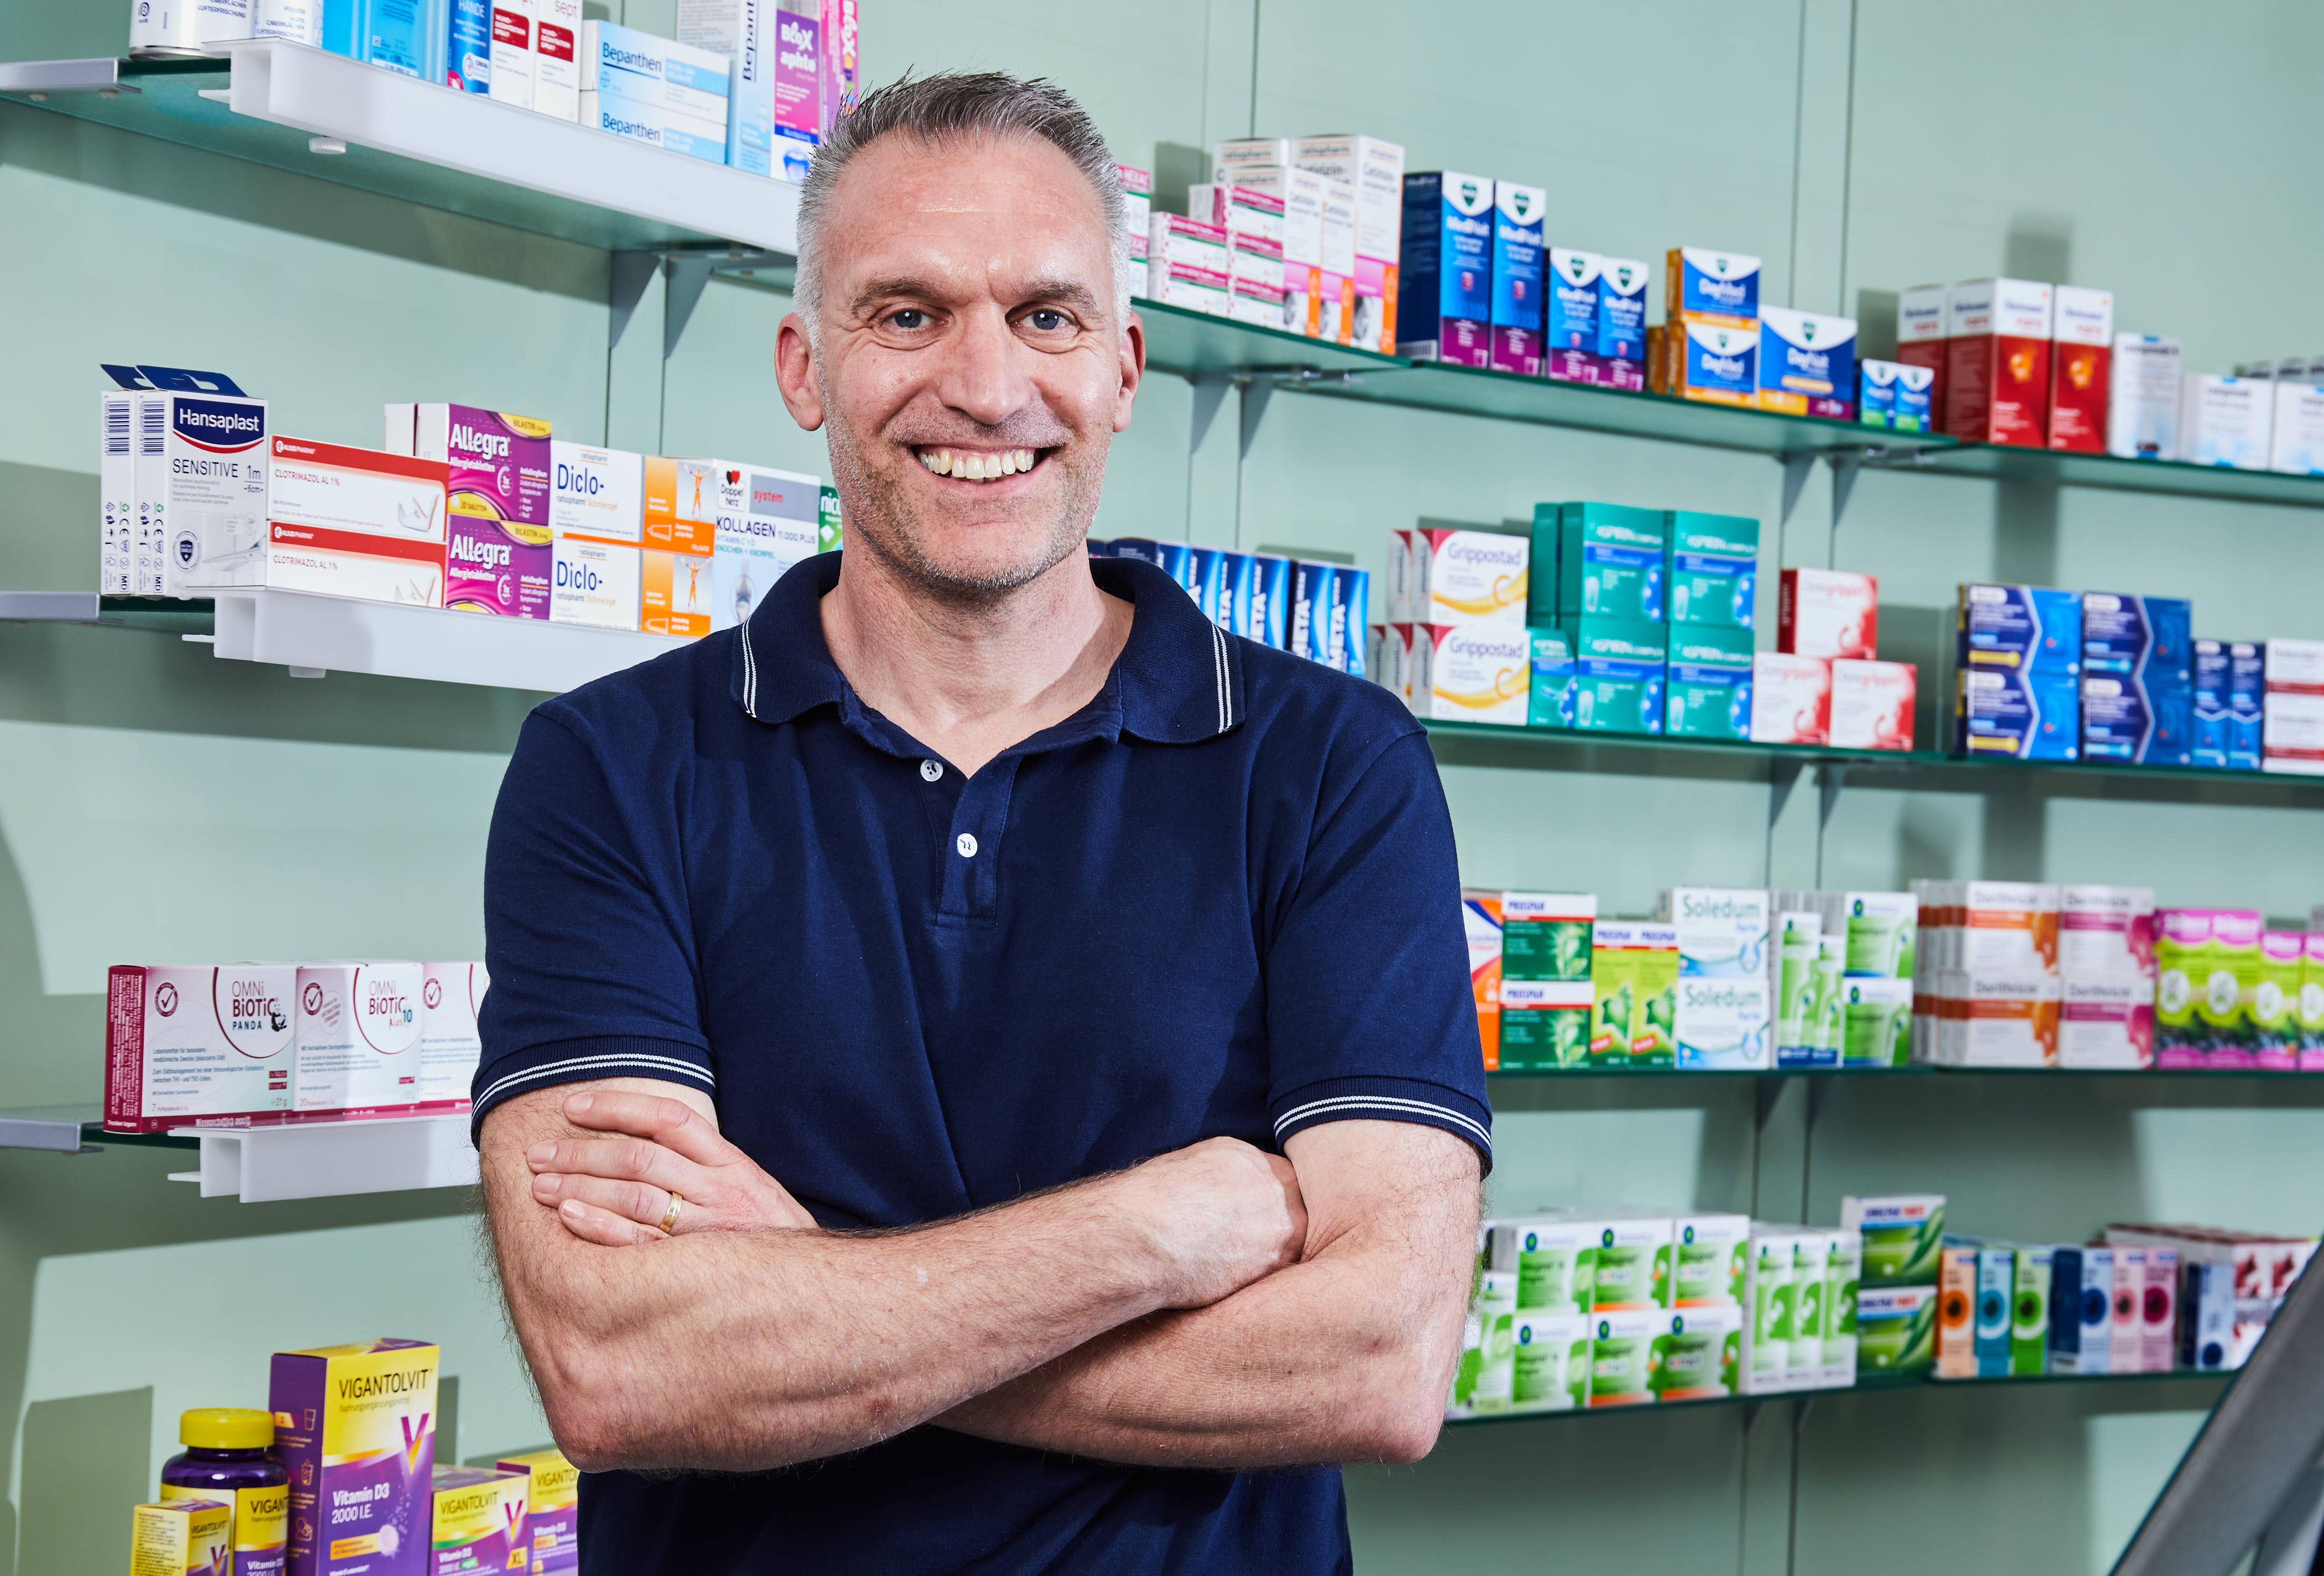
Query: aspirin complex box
x: 188, y: 1046
x: 355, y: 1428
x: 357, y: 1043
x: 354, y: 523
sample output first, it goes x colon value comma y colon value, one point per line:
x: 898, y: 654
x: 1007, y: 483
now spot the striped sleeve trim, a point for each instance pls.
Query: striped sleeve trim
x: 586, y: 1061
x: 1401, y: 1100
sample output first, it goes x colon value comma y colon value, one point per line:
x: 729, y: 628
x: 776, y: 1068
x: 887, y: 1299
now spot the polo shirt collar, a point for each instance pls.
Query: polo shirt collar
x: 1178, y: 680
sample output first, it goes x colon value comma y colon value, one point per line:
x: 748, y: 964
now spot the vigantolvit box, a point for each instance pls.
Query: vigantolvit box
x: 478, y: 1520
x: 1445, y: 308
x: 354, y: 523
x: 552, y: 1515
x: 1469, y: 577
x: 1997, y: 361
x: 1807, y: 364
x: 1902, y: 1233
x: 1871, y: 705
x: 2225, y: 421
x: 2142, y: 409
x: 450, y: 996
x: 1475, y: 672
x: 1791, y: 698
x: 356, y: 1051
x: 209, y: 519
x: 355, y: 1428
x: 1895, y: 1328
x: 1621, y: 1356
x: 197, y: 1047
x: 1698, y: 1355
x: 2081, y: 353
x: 182, y: 1537
x: 1828, y: 612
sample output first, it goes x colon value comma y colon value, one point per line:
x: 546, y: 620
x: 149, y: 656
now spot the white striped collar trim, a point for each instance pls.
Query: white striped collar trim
x: 1348, y: 1105
x: 750, y: 677
x: 608, y: 1067
x: 1222, y: 672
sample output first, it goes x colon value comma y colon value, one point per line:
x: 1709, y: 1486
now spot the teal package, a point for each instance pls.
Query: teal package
x: 1618, y: 697
x: 1609, y: 561
x: 1996, y: 1293
x: 1711, y: 645
x: 397, y: 34
x: 1710, y: 588
x: 1725, y: 536
x: 1707, y: 701
x: 1617, y: 640
x: 1551, y: 703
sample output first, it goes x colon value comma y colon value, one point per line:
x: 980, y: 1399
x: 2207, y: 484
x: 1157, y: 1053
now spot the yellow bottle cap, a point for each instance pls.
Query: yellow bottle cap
x: 227, y: 1428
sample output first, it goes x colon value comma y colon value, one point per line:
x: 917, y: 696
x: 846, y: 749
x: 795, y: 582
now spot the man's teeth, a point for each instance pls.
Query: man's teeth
x: 977, y: 467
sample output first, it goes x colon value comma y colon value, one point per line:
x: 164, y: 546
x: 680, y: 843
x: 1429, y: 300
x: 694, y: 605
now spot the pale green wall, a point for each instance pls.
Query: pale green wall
x: 156, y: 802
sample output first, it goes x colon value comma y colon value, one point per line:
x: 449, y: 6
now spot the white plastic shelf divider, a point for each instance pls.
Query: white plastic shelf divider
x: 53, y: 1128
x: 313, y: 635
x: 331, y: 1159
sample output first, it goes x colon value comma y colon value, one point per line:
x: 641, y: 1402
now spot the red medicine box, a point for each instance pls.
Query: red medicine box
x: 2082, y: 357
x: 1997, y: 363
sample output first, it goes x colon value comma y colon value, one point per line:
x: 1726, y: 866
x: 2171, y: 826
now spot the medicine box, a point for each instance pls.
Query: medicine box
x: 1721, y: 285
x: 1622, y: 321
x: 1552, y: 1258
x: 2023, y: 628
x: 1547, y: 935
x: 769, y: 531
x: 116, y: 507
x: 354, y: 1426
x: 1997, y: 361
x: 745, y: 32
x: 1875, y: 395
x: 1710, y: 568
x: 1335, y: 295
x: 1875, y: 1022
x: 655, y: 124
x: 1373, y: 170
x: 1900, y: 1232
x: 1842, y: 1284
x: 1707, y: 701
x: 1618, y: 674
x: 1571, y: 307
x: 1708, y: 1260
x: 1191, y: 288
x: 2106, y: 932
x: 1828, y: 612
x: 478, y: 1520
x: 656, y: 73
x: 182, y: 1537
x: 1770, y: 1302
x: 1137, y: 209
x: 190, y: 1045
x: 1713, y: 362
x: 2012, y: 714
x: 1544, y: 1025
x: 1473, y: 672
x: 2081, y: 354
x: 498, y: 557
x: 1724, y: 1023
x: 506, y: 45
x: 1444, y: 309
x: 552, y: 1509
x: 2143, y: 404
x: 202, y: 491
x: 1621, y: 1368
x: 1555, y: 693
x: 2226, y: 421
x: 2296, y: 441
x: 354, y: 523
x: 1236, y: 154
x: 1721, y: 932
x: 1550, y: 1361
x: 1923, y: 323
x: 557, y: 59
x: 1700, y: 1357
x: 596, y: 523
x: 1480, y: 918
x: 1871, y: 705
x: 355, y: 1049
x: 2081, y: 1309
x: 2206, y: 972
x: 1807, y: 364
x: 1791, y: 698
x: 1469, y: 577
x: 1609, y: 562
x: 450, y: 996
x: 1915, y: 399
x: 1517, y: 309
x: 678, y: 508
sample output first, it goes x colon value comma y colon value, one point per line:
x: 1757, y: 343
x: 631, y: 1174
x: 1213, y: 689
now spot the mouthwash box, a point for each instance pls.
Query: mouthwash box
x: 2081, y: 353
x: 1444, y: 308
x: 197, y: 1045
x: 479, y: 1520
x: 552, y: 1515
x: 2022, y: 629
x: 2143, y: 412
x: 1622, y: 321
x: 1902, y: 1233
x: 1997, y: 1286
x: 1956, y: 1321
x: 1517, y: 278
x: 1843, y: 1277
x: 1923, y: 322
x: 1609, y: 560
x: 1791, y: 698
x: 2226, y: 421
x: 2029, y: 1315
x: 1997, y: 361
x: 1872, y: 705
x: 1828, y: 612
x: 1621, y: 1356
x: 181, y: 1537
x: 499, y: 554
x: 355, y: 1428
x: 1722, y: 286
x: 2206, y: 970
x: 2296, y: 437
x: 1570, y: 315
x: 1699, y: 1354
x: 2026, y: 718
x: 1475, y: 673
x: 1875, y: 1022
x: 1552, y: 703
x: 1716, y: 362
x: 1807, y: 364
x: 1470, y: 576
x: 1708, y: 1255
x: 1480, y: 920
x: 1550, y: 1361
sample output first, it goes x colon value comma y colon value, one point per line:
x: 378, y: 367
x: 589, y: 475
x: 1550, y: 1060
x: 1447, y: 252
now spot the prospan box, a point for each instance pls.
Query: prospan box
x: 189, y: 1047
x: 1446, y: 311
x: 478, y: 1521
x: 552, y: 1509
x: 1997, y: 361
x: 354, y: 1426
x: 497, y: 553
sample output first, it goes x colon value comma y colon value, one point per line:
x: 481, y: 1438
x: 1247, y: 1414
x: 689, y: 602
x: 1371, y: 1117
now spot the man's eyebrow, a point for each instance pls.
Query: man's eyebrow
x: 1065, y: 291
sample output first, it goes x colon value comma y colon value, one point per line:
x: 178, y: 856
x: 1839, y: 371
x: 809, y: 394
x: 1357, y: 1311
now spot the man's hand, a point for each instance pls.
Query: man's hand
x: 1220, y: 1213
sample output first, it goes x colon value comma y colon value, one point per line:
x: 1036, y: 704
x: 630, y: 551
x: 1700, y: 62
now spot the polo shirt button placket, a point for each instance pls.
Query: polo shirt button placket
x: 930, y: 770
x: 967, y: 844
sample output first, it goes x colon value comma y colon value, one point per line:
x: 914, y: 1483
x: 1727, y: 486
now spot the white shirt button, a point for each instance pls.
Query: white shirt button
x: 930, y: 770
x: 967, y: 844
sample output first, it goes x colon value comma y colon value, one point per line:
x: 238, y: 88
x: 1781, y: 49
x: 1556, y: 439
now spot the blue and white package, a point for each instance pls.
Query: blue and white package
x: 343, y: 27
x: 2247, y: 686
x: 1916, y: 396
x: 2206, y: 1313
x: 2081, y: 1309
x: 1176, y: 559
x: 631, y: 63
x: 1517, y: 278
x: 1233, y: 613
x: 645, y: 123
x: 1210, y: 587
x: 2147, y: 638
x: 743, y: 32
x: 2213, y: 696
x: 1807, y: 364
x: 1622, y: 310
x: 2020, y: 629
x: 2017, y: 715
x: 468, y: 47
x: 1717, y: 361
x: 1311, y: 611
x: 1721, y: 284
x: 1445, y: 307
x: 2126, y: 720
x: 400, y: 35
x: 1572, y: 311
x: 1268, y: 619
x: 1708, y: 700
x: 1351, y: 602
x: 1875, y: 393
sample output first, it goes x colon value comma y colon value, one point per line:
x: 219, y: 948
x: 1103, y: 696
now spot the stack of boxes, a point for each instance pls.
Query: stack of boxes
x: 1252, y: 223
x: 1136, y: 213
x: 1824, y: 684
x: 2017, y: 665
x: 1897, y: 1308
x: 1844, y: 965
x: 1547, y: 999
x: 2292, y: 708
x: 1722, y: 1011
x: 1595, y: 318
x: 1710, y: 341
x: 1189, y: 265
x: 1340, y: 201
x: 2229, y: 690
x: 2106, y: 970
x: 1711, y: 581
x: 1801, y: 1308
x: 1634, y: 970
x: 2208, y: 965
x: 1986, y: 989
x: 1319, y: 610
x: 1456, y: 644
x: 1599, y: 592
x: 655, y: 90
x: 2138, y: 699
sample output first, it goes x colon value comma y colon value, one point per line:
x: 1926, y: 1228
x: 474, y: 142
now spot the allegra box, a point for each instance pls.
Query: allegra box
x: 1445, y: 310
x: 354, y: 523
x: 2081, y: 354
x: 498, y: 553
x: 478, y: 1521
x: 197, y: 1047
x: 1997, y: 361
x: 1828, y: 612
x: 354, y: 1426
x: 1807, y: 364
x: 552, y: 1517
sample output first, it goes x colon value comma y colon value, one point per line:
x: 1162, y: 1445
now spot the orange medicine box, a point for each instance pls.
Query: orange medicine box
x: 1481, y: 913
x: 677, y: 588
x: 681, y: 513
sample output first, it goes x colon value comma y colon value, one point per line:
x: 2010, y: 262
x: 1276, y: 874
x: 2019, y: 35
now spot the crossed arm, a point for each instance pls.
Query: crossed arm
x: 1214, y: 1306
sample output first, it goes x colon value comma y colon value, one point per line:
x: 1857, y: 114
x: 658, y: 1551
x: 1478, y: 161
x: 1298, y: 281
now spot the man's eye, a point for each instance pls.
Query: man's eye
x: 1045, y: 319
x: 910, y: 320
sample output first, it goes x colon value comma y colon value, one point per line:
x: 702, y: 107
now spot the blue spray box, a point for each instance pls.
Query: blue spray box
x: 1707, y: 701
x: 1310, y: 610
x: 1622, y: 314
x: 2138, y: 699
x: 1876, y: 393
x: 1176, y: 559
x: 2123, y: 721
x: 1445, y: 307
x: 1573, y: 301
x: 2214, y: 693
x: 1517, y: 278
x: 1212, y: 582
x: 1351, y: 602
x: 2017, y: 715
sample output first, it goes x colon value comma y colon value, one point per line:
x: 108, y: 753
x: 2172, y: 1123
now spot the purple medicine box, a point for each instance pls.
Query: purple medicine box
x: 497, y: 552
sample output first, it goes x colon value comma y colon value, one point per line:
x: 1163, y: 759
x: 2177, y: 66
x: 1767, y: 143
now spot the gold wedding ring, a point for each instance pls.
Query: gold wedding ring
x: 669, y: 1215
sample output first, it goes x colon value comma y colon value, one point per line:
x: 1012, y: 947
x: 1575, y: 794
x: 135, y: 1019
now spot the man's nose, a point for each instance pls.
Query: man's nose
x: 983, y: 376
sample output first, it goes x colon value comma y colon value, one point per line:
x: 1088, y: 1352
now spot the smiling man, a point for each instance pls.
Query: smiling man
x: 979, y: 1036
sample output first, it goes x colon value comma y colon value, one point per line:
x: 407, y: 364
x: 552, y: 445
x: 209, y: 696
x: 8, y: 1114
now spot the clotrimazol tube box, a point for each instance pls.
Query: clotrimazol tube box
x: 355, y: 1428
x: 356, y: 1048
x: 450, y: 996
x: 197, y: 1045
x: 595, y: 515
x: 498, y: 553
x: 478, y: 1520
x: 354, y: 523
x: 552, y: 1509
x: 2142, y: 409
x: 1517, y: 320
x: 1807, y: 364
x: 1444, y: 312
x: 2225, y: 421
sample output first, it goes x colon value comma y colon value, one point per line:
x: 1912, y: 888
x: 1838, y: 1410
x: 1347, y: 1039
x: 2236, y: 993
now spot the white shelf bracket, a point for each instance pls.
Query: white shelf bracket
x: 331, y: 1159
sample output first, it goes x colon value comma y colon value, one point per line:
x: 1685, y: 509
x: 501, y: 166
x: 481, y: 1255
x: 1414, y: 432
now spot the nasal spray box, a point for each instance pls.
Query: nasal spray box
x: 2142, y: 400
x: 2082, y: 357
x: 197, y: 1047
x: 597, y: 525
x: 1444, y: 312
x: 1570, y: 306
x: 552, y: 1517
x: 357, y: 1043
x: 450, y: 997
x: 1997, y: 361
x: 1516, y: 319
x: 477, y: 1520
x: 1622, y: 322
x: 1807, y: 364
x: 354, y: 1426
x: 498, y: 554
x: 355, y: 522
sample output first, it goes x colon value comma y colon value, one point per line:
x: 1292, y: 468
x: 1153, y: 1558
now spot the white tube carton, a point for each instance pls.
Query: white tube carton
x: 190, y: 1045
x: 116, y: 493
x: 2000, y: 1018
x: 1469, y: 577
x: 596, y: 523
x: 354, y: 523
x: 2296, y: 440
x: 149, y: 418
x: 450, y: 995
x: 357, y: 1044
x: 2143, y: 408
x: 2225, y: 421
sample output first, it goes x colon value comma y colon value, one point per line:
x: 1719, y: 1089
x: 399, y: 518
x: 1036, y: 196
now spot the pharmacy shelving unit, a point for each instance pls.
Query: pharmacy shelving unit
x: 265, y: 1164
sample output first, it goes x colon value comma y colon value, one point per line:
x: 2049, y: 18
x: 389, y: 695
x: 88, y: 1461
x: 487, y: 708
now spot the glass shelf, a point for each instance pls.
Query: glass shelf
x: 2108, y: 471
x: 1877, y: 1385
x: 1199, y: 344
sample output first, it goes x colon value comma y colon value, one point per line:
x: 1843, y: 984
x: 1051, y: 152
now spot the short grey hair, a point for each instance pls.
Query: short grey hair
x: 951, y: 106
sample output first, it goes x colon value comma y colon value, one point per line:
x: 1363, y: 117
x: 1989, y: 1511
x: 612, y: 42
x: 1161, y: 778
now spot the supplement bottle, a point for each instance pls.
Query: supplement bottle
x: 230, y: 1457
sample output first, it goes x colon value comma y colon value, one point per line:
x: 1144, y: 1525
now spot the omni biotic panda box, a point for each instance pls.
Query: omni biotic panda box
x: 197, y: 1047
x: 355, y: 1428
x: 498, y: 557
x: 357, y: 1040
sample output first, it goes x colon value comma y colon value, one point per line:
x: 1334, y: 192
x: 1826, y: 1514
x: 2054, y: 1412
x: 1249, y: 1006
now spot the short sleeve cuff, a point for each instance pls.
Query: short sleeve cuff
x: 584, y: 1061
x: 1392, y: 1100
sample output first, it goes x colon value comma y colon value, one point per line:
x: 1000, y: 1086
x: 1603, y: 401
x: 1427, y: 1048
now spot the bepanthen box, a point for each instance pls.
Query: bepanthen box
x: 450, y: 996
x: 356, y: 1050
x: 552, y: 1511
x: 1445, y: 310
x: 1828, y: 612
x: 189, y: 1045
x: 354, y: 1426
x: 1472, y: 672
x: 1791, y: 698
x: 1723, y: 286
x: 743, y: 32
x: 2225, y: 421
x: 2143, y: 408
x: 1517, y: 278
x: 1997, y: 361
x: 478, y: 1520
x: 1871, y: 705
x: 354, y: 523
x: 498, y: 557
x: 1807, y: 364
x: 1923, y: 323
x: 2082, y: 350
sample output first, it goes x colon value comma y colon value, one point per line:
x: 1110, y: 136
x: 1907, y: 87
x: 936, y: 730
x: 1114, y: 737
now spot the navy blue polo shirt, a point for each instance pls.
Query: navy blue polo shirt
x: 1219, y: 900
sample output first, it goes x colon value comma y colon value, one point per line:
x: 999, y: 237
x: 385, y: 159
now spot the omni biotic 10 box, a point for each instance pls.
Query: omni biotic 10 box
x: 355, y: 1428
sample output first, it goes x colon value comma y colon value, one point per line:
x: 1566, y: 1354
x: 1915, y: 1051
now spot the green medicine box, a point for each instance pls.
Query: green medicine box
x: 1551, y: 704
x: 1709, y: 645
x: 1608, y: 559
x: 1711, y: 569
